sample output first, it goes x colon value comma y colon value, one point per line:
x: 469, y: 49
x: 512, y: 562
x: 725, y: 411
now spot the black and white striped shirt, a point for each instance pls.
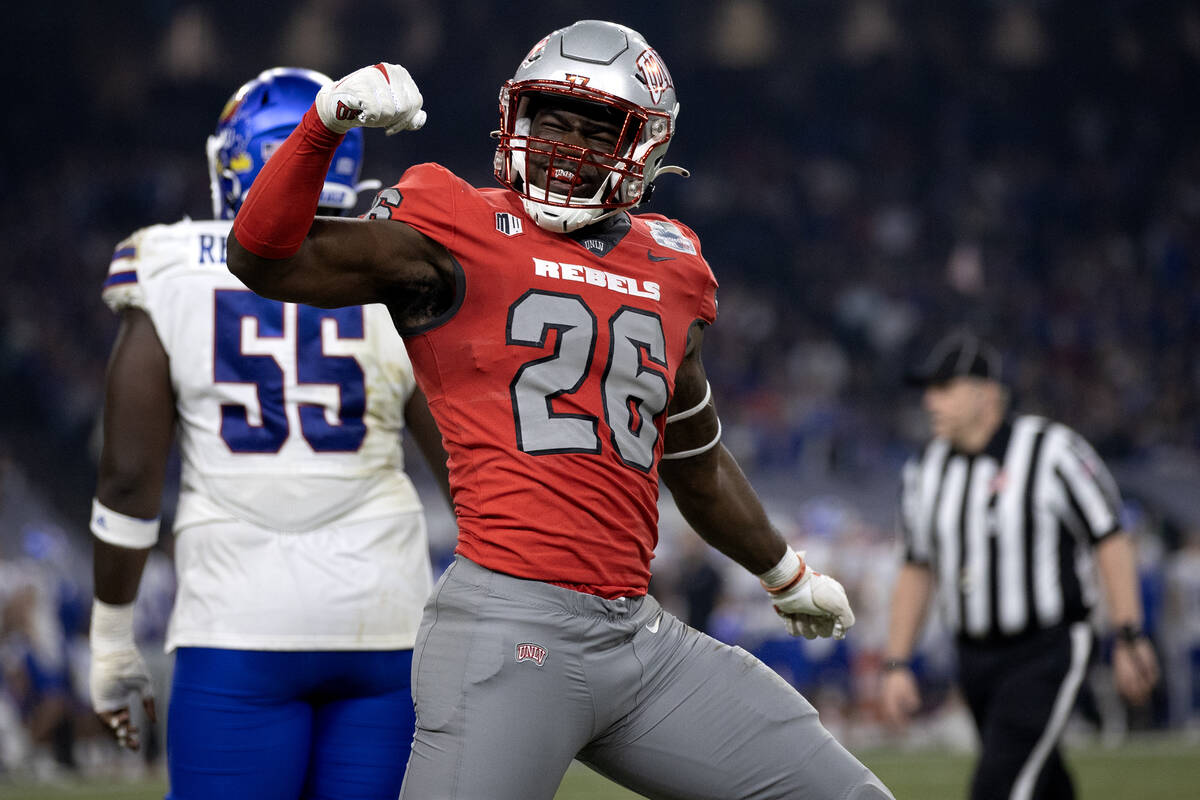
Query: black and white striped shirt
x: 1009, y: 531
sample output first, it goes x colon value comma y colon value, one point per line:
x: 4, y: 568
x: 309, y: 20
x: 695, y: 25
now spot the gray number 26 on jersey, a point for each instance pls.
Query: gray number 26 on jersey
x: 633, y: 388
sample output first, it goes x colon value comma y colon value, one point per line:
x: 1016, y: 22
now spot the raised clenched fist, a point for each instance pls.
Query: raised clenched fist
x: 379, y: 96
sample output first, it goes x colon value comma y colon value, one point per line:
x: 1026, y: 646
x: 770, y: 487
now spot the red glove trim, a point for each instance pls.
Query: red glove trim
x: 280, y: 206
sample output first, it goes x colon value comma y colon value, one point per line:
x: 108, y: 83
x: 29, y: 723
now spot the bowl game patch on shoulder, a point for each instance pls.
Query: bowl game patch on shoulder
x: 669, y: 235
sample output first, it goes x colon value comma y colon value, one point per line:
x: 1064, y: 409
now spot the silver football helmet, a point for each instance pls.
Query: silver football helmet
x: 603, y: 64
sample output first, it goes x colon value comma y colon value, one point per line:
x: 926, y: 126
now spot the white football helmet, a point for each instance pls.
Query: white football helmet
x: 604, y: 64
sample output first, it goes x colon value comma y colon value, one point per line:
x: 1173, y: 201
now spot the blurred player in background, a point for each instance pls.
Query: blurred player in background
x: 558, y: 338
x: 1003, y: 514
x: 300, y: 543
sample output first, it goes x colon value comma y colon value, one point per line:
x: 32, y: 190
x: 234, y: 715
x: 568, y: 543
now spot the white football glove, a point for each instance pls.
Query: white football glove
x: 812, y: 606
x: 117, y: 669
x: 379, y: 96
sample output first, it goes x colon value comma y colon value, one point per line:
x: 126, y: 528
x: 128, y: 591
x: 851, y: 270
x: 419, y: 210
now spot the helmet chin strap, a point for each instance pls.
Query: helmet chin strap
x: 561, y: 218
x: 564, y: 220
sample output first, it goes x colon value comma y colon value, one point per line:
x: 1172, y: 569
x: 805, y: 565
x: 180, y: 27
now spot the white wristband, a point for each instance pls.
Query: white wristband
x: 122, y: 530
x: 112, y: 628
x: 783, y: 574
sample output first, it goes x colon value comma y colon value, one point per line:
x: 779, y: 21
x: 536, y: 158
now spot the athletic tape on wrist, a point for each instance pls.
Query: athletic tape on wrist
x: 122, y: 530
x: 785, y: 574
x: 112, y: 627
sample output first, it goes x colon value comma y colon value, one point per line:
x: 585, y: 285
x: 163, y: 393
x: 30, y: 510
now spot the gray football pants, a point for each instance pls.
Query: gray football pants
x: 513, y: 679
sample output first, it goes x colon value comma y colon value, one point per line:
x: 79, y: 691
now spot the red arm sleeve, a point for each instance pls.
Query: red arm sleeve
x: 279, y: 209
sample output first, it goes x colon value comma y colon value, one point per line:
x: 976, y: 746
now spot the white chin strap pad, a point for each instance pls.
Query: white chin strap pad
x: 560, y: 219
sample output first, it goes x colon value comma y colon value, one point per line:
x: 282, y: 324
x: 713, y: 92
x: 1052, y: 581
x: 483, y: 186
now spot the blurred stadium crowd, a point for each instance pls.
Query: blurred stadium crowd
x: 865, y: 174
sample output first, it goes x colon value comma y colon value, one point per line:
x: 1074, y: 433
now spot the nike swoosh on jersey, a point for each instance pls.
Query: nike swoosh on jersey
x: 653, y: 257
x: 653, y: 626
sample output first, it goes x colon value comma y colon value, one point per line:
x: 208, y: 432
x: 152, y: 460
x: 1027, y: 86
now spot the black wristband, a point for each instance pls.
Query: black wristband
x: 1129, y: 633
x: 892, y: 664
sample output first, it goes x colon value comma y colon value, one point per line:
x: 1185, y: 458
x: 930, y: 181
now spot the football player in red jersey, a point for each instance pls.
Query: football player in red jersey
x: 558, y: 338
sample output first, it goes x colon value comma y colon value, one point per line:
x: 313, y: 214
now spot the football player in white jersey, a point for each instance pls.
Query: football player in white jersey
x: 300, y: 543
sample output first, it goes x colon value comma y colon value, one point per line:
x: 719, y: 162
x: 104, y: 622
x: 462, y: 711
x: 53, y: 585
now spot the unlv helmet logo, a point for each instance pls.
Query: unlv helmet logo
x: 654, y: 71
x: 535, y: 53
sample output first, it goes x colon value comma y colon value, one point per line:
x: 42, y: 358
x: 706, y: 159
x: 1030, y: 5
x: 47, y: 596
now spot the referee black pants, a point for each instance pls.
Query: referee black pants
x: 1021, y: 694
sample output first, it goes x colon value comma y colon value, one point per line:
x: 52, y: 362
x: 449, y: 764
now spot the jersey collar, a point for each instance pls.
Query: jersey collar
x: 600, y: 239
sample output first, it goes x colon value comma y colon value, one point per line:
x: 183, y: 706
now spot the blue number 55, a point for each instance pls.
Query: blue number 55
x: 231, y: 364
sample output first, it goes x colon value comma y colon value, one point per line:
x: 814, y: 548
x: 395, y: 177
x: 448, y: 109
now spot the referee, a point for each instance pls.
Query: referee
x: 1009, y: 516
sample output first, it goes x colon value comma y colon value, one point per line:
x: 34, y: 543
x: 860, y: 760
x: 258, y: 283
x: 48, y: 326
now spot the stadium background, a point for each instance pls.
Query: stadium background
x: 865, y: 174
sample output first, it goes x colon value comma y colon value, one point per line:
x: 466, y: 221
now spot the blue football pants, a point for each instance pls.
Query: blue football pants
x: 258, y: 725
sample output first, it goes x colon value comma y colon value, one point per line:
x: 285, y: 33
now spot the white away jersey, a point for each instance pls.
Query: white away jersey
x: 289, y: 430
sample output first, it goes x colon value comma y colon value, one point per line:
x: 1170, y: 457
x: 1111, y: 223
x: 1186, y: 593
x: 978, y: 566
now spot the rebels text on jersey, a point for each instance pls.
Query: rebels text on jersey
x: 550, y: 378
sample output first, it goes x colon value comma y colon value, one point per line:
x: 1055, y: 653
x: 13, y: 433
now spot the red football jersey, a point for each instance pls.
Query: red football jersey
x: 550, y: 378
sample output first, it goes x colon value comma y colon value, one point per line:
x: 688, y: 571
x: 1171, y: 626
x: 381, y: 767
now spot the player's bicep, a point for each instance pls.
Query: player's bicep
x: 139, y: 419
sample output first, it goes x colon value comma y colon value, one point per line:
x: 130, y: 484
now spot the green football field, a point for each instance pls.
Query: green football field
x: 1142, y: 770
